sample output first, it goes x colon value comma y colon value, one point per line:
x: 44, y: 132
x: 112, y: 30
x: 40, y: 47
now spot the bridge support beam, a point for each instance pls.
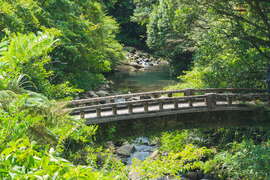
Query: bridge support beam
x: 98, y: 110
x: 160, y: 105
x: 130, y: 108
x: 208, y: 119
x: 146, y: 109
x: 114, y: 110
x: 82, y: 114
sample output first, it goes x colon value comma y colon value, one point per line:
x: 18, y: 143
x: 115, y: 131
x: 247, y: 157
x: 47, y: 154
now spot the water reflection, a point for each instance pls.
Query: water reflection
x: 151, y: 79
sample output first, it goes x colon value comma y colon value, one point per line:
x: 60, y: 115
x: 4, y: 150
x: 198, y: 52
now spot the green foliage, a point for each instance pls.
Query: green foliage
x: 190, y: 158
x: 131, y: 33
x: 34, y: 136
x: 245, y: 161
x: 228, y: 41
x: 224, y: 62
x: 22, y: 160
x: 24, y: 61
x: 231, y: 51
x: 86, y: 35
x: 173, y: 141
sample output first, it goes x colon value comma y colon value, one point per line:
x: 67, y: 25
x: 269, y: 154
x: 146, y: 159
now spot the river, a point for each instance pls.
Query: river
x: 152, y: 78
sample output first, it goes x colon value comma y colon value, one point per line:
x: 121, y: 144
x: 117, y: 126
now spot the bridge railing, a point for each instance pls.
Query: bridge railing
x: 158, y: 94
x: 210, y: 100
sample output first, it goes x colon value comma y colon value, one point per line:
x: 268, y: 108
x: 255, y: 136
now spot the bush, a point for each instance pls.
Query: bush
x: 244, y: 161
x: 175, y: 163
x: 173, y: 141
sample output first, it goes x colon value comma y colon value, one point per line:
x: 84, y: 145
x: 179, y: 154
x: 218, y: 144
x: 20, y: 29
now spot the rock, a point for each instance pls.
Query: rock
x: 138, y: 155
x: 102, y: 93
x: 126, y: 150
x: 138, y: 66
x: 142, y: 140
x: 105, y: 87
x: 91, y: 94
x: 136, y: 56
x: 154, y: 154
x: 110, y: 145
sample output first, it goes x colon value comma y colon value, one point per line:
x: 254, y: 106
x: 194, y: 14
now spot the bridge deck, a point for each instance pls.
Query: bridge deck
x: 112, y: 110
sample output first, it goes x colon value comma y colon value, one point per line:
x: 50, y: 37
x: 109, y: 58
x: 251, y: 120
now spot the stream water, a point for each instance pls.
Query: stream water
x: 151, y: 79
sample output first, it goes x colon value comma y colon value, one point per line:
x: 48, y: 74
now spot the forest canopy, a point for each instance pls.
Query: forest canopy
x: 225, y: 43
x: 86, y: 45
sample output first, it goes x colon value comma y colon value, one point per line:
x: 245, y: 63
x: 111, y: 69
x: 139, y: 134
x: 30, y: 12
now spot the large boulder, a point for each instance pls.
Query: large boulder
x: 91, y: 94
x: 125, y: 150
x: 102, y: 93
x: 154, y: 154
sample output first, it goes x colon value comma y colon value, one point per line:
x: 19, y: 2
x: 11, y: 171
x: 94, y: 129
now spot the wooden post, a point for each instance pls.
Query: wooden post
x: 114, y: 109
x: 190, y: 102
x: 82, y: 114
x: 160, y: 105
x: 146, y: 107
x: 229, y: 100
x: 98, y: 111
x: 189, y: 92
x: 130, y: 108
x: 175, y: 104
x: 211, y: 100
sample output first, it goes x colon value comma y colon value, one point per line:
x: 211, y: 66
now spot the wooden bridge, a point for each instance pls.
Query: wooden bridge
x: 170, y: 105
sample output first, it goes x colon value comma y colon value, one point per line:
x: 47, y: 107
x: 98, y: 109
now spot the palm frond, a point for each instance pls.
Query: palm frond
x: 3, y: 47
x: 21, y: 83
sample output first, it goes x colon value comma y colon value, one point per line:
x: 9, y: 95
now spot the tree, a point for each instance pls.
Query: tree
x: 87, y: 45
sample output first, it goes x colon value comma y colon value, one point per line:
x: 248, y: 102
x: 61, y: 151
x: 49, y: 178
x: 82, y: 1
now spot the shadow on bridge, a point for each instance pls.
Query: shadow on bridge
x: 238, y: 117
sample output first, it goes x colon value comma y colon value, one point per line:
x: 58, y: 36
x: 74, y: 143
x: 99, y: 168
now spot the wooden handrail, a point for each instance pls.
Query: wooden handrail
x: 173, y: 99
x: 165, y: 100
x: 187, y: 92
x: 209, y: 100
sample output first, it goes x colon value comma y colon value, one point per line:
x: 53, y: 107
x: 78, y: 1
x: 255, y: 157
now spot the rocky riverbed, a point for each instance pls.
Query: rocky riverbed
x: 137, y: 60
x: 142, y: 148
